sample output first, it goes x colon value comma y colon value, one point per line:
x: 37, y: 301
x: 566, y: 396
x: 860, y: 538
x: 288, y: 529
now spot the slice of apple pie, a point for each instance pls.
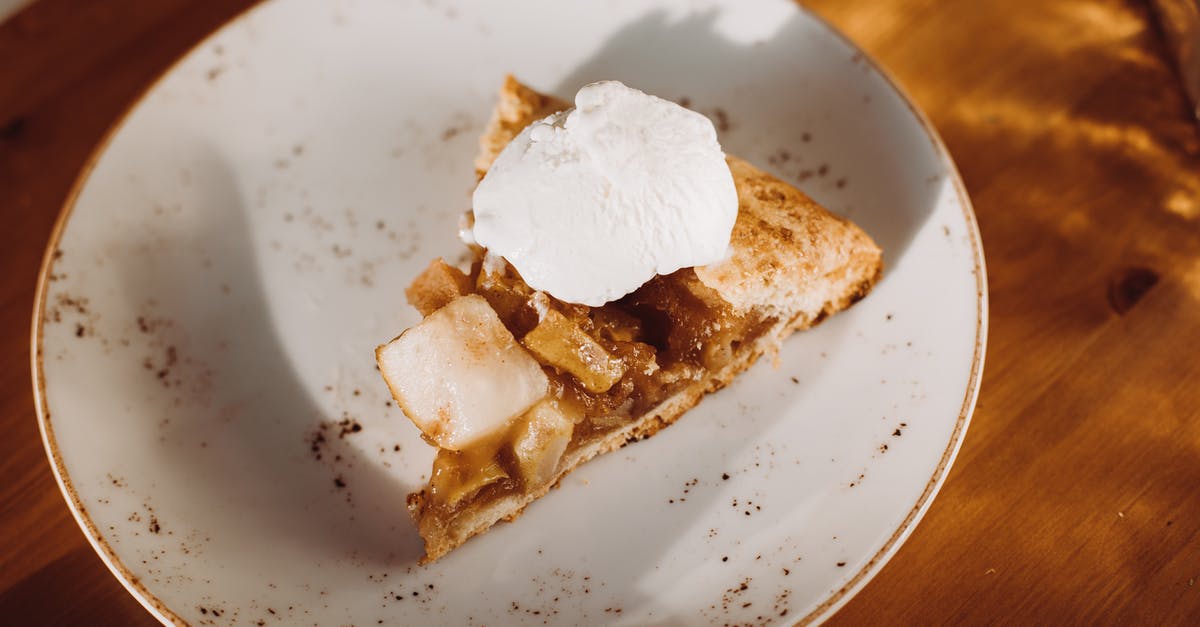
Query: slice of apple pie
x: 516, y: 388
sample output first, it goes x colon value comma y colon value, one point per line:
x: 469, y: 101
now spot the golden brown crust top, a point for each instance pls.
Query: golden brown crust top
x: 785, y: 247
x: 518, y: 107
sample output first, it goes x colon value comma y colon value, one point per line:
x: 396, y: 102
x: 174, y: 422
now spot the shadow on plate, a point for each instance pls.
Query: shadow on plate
x: 246, y: 439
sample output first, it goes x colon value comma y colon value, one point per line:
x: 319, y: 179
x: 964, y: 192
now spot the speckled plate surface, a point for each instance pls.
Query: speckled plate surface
x: 214, y: 291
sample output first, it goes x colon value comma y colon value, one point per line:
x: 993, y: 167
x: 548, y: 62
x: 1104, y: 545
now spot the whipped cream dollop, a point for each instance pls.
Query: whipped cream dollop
x: 592, y: 202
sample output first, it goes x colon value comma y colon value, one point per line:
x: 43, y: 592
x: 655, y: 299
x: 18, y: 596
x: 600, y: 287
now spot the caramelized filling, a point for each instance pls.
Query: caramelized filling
x: 645, y: 347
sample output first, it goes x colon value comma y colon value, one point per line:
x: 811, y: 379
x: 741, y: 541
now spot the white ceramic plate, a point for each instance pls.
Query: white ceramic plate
x: 215, y: 289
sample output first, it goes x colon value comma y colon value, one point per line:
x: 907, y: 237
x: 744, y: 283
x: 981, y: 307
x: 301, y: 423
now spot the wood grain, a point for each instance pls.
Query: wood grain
x: 1074, y: 496
x: 1073, y: 499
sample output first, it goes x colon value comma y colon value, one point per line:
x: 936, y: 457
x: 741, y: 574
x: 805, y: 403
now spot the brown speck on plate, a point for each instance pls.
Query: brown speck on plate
x: 722, y: 120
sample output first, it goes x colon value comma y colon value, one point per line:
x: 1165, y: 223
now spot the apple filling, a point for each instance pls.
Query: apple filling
x: 506, y: 380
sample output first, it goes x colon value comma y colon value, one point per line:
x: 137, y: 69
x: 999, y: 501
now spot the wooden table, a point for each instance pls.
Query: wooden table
x: 1077, y: 493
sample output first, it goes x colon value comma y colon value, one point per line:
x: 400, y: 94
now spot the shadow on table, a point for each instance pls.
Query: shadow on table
x: 69, y: 591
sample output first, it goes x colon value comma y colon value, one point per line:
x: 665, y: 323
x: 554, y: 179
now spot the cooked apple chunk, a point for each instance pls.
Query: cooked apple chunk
x: 436, y: 286
x: 461, y: 474
x: 539, y: 439
x: 560, y: 343
x: 459, y: 375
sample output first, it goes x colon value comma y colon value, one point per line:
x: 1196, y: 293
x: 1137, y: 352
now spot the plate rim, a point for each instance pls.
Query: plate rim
x: 873, y: 566
x: 818, y: 614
